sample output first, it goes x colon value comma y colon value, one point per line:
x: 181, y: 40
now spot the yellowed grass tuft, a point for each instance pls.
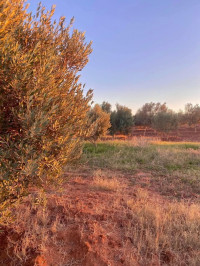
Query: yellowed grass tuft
x: 101, y: 181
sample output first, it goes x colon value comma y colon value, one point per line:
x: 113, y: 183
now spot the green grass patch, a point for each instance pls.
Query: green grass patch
x: 175, y: 168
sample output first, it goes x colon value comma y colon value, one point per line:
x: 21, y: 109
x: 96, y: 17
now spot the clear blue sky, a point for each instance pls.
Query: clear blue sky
x: 143, y: 50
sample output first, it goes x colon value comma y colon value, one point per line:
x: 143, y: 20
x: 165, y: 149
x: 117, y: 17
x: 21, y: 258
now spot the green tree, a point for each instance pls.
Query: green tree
x: 144, y: 116
x: 165, y: 121
x: 121, y: 120
x: 192, y: 114
x: 43, y: 111
x: 106, y: 107
x: 113, y: 119
x: 181, y: 117
x: 100, y: 121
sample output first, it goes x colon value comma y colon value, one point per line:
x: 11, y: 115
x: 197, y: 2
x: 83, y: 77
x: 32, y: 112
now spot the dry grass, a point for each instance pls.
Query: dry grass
x: 103, y: 182
x: 37, y: 229
x: 130, y: 223
x: 133, y: 141
x: 173, y: 143
x: 166, y: 232
x: 32, y: 222
x: 152, y: 231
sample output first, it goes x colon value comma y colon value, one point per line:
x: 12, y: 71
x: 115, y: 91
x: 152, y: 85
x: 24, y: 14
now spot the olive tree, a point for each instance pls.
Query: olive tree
x: 145, y: 115
x: 165, y: 121
x: 43, y: 110
x: 100, y: 121
x: 121, y: 120
x: 192, y: 114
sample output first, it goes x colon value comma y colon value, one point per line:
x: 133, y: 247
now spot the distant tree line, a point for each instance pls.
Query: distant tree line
x: 155, y: 115
x: 160, y: 117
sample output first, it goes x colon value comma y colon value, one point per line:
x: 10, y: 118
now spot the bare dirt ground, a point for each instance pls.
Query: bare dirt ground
x: 110, y: 214
x: 86, y: 225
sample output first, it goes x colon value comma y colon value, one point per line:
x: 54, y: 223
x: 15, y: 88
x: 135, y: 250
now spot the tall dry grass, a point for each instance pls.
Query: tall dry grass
x: 166, y: 233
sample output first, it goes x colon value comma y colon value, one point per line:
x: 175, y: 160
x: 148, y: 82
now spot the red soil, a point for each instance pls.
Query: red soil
x: 90, y: 229
x: 85, y: 226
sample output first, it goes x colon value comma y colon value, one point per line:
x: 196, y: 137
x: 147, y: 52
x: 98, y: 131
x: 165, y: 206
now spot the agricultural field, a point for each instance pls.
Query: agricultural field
x: 90, y: 183
x: 125, y: 203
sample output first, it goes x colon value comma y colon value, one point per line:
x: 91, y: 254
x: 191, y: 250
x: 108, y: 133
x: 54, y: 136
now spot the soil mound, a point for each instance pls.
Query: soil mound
x: 82, y: 226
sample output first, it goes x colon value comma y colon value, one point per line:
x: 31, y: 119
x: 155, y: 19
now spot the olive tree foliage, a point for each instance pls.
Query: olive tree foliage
x: 106, y: 107
x: 165, y: 121
x: 121, y: 120
x: 43, y: 111
x: 100, y: 121
x: 181, y: 117
x: 145, y: 115
x: 192, y: 114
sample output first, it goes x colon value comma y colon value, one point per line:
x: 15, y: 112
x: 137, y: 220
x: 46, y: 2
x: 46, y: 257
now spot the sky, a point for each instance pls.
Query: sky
x: 143, y: 50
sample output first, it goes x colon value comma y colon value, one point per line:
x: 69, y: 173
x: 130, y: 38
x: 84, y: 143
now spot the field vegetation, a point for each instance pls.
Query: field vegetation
x: 128, y: 203
x: 67, y: 201
x: 174, y: 168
